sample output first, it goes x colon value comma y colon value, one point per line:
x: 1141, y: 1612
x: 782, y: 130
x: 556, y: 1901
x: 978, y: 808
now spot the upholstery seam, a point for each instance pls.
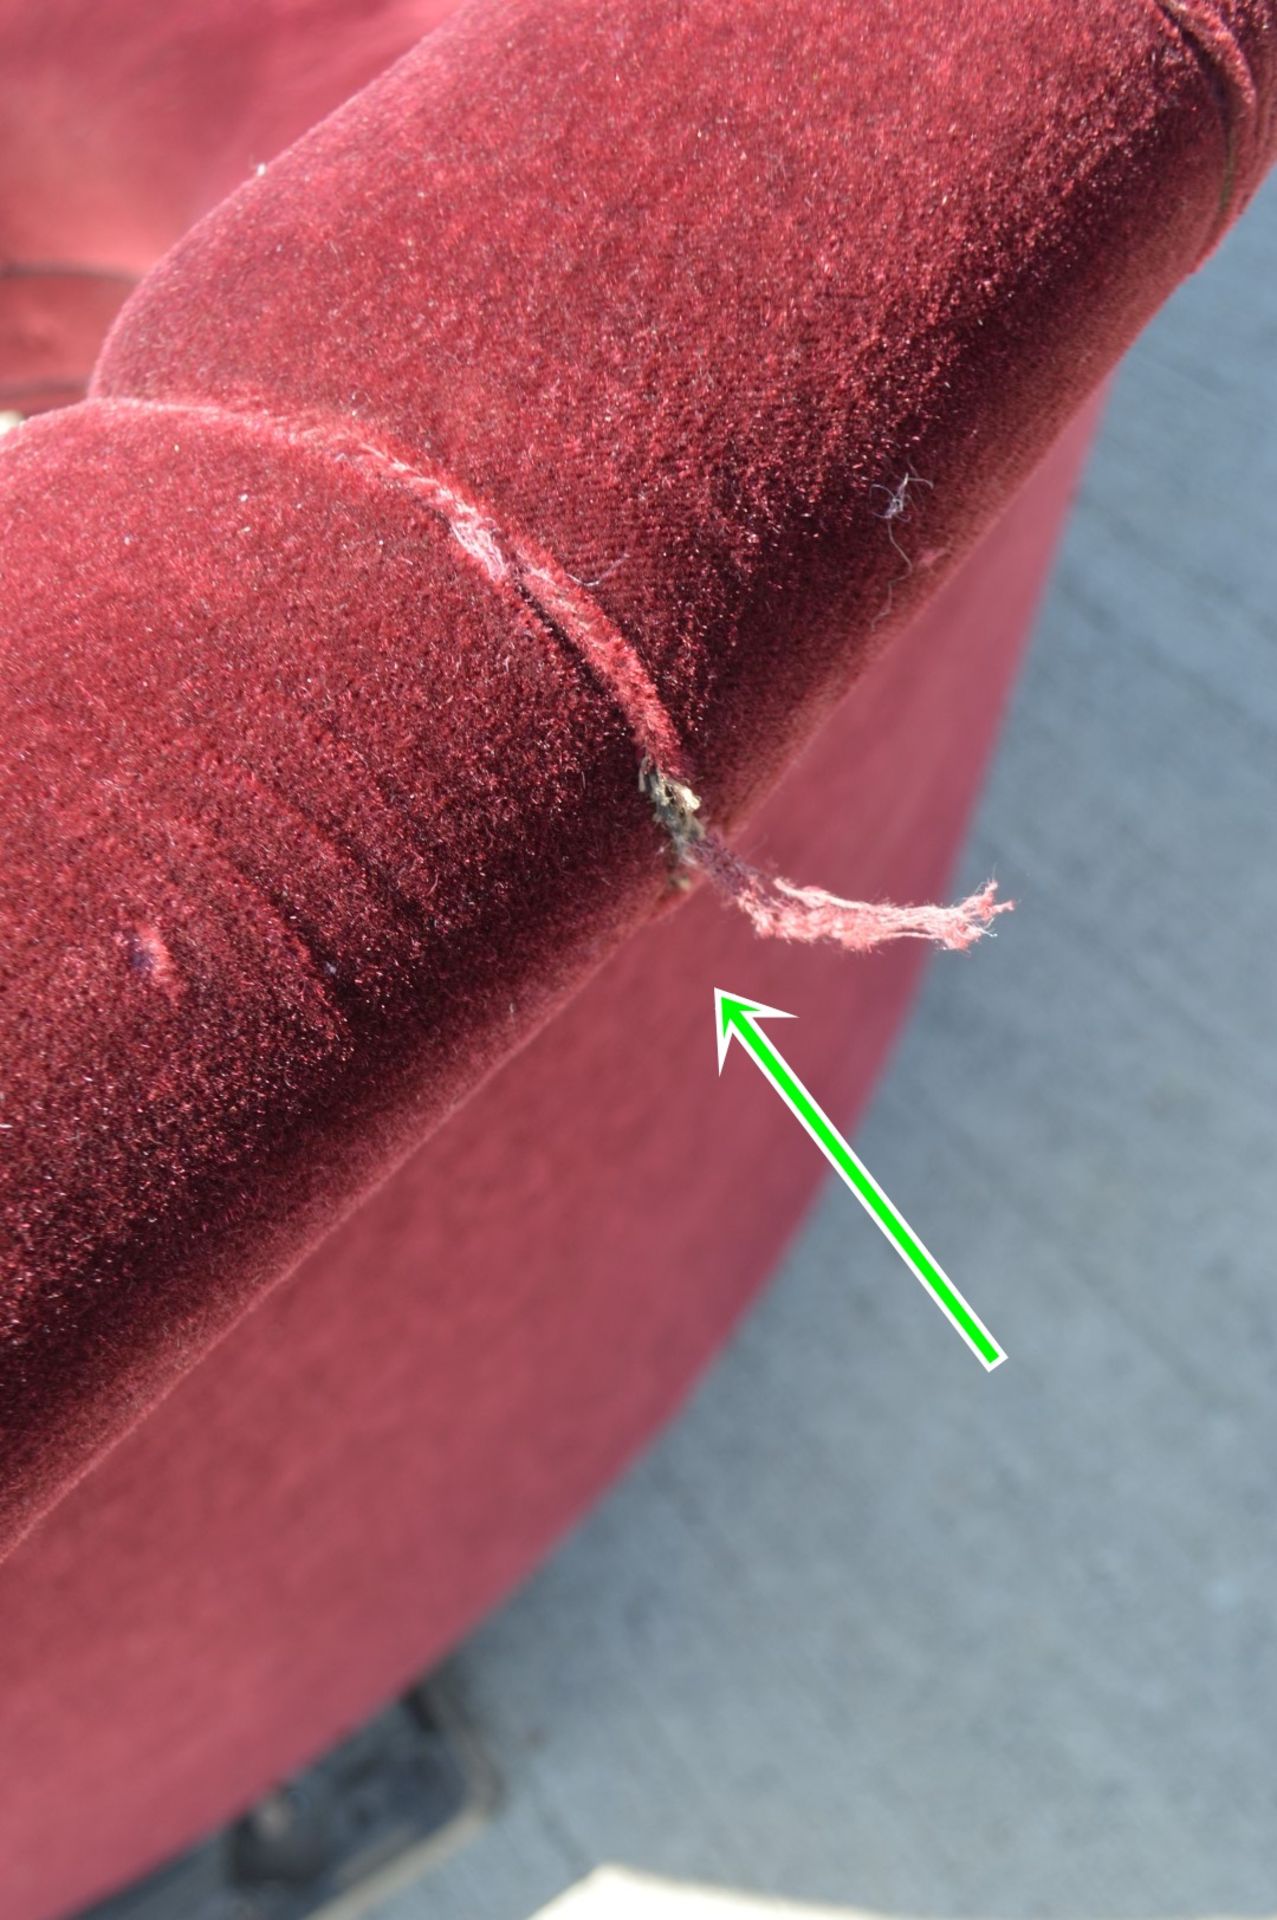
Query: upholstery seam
x: 533, y: 576
x: 1231, y: 78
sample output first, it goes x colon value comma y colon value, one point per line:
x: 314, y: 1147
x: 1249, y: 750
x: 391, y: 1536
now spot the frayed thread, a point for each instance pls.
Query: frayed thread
x: 779, y: 910
x: 775, y: 907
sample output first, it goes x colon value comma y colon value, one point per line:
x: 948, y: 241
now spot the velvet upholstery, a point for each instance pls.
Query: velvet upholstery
x: 310, y: 820
x: 373, y: 1457
x: 752, y: 318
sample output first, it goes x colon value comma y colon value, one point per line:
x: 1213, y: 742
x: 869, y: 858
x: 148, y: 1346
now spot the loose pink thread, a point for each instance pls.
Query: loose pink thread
x: 782, y: 911
x: 776, y: 907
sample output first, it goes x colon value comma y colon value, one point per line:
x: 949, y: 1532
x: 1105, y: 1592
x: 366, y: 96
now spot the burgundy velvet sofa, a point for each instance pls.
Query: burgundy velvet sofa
x: 615, y: 400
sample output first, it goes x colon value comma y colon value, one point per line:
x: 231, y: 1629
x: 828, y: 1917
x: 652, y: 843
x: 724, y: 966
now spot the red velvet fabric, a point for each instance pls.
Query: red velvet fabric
x: 308, y: 822
x: 122, y: 123
x: 381, y: 1449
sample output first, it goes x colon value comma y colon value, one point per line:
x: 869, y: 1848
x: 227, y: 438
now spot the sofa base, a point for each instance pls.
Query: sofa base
x: 370, y: 1814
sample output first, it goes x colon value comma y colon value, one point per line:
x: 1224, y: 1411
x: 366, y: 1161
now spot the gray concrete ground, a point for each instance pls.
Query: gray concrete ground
x: 869, y: 1628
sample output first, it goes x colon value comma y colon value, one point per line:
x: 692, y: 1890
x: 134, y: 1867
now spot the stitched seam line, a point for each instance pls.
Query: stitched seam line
x: 548, y: 591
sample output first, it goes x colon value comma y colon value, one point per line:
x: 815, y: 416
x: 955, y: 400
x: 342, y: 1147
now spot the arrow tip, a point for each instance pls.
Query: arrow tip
x: 732, y: 1011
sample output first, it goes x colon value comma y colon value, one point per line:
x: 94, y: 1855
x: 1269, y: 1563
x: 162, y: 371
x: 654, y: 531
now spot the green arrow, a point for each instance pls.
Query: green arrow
x: 736, y: 1017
